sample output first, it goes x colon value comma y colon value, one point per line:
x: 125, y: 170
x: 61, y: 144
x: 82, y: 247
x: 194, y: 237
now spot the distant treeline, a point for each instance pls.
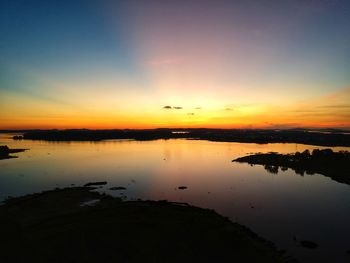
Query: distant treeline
x: 222, y: 135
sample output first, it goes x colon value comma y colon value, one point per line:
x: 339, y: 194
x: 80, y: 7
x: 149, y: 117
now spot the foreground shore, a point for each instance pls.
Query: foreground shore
x: 79, y: 225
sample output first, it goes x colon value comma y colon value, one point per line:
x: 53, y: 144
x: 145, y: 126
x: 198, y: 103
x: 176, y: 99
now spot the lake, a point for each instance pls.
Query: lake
x: 279, y: 207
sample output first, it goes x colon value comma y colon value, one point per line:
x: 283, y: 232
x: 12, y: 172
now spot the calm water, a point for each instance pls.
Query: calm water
x: 276, y: 206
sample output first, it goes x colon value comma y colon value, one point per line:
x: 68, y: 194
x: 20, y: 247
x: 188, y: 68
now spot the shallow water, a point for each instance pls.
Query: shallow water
x: 276, y: 206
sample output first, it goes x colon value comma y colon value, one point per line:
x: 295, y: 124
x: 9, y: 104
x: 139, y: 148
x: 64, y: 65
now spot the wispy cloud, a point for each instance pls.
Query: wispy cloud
x: 336, y: 106
x: 165, y: 61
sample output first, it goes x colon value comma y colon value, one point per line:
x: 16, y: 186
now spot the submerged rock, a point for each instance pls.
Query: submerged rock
x: 118, y: 188
x: 90, y: 202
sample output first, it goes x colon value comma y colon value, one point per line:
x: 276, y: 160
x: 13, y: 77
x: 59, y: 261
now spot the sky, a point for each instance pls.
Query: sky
x: 185, y: 63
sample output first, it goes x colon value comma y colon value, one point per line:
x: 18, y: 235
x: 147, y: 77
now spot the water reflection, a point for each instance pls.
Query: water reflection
x: 276, y: 207
x: 273, y: 169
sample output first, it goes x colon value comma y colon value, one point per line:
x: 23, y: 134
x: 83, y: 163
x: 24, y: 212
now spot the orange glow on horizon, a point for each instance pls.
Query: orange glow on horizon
x: 328, y: 111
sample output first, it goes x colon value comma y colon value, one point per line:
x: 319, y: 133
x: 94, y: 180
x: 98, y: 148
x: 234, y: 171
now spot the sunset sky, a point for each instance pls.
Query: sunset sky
x: 227, y: 64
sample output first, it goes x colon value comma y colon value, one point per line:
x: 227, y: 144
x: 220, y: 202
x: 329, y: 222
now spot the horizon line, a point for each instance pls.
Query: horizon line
x: 174, y: 128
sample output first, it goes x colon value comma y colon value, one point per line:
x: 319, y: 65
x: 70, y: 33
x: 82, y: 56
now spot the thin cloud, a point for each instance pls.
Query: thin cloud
x: 177, y: 108
x: 165, y: 61
x: 336, y: 106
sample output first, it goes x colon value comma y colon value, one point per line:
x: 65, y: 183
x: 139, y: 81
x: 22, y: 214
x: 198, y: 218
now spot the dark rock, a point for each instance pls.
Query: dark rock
x: 308, y: 244
x: 95, y: 183
x: 4, y: 148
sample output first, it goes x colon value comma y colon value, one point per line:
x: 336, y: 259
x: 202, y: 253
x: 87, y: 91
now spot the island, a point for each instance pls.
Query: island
x: 81, y: 225
x: 335, y: 165
x: 5, y: 152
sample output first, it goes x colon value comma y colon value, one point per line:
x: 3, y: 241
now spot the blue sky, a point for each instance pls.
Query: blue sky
x: 212, y: 54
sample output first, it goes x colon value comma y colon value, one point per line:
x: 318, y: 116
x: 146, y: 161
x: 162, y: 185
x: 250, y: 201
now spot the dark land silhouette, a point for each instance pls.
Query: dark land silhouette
x: 5, y: 152
x: 78, y: 225
x: 301, y: 136
x: 335, y: 165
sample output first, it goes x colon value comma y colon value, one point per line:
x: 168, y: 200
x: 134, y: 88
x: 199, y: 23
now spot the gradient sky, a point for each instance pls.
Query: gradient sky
x: 228, y: 64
